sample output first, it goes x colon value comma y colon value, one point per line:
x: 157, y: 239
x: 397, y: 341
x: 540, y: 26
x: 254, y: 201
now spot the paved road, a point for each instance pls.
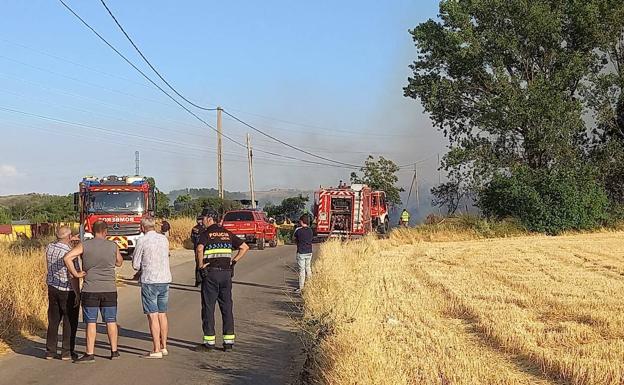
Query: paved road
x: 267, y: 349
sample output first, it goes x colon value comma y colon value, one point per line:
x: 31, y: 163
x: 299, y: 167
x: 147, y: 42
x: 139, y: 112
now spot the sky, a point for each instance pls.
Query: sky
x: 325, y: 76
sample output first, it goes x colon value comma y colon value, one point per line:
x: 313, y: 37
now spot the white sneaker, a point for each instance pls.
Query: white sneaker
x: 164, y: 352
x: 153, y: 355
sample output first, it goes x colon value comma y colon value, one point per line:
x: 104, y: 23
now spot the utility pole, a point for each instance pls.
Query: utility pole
x: 219, y: 153
x: 137, y: 169
x: 251, y: 179
x: 416, y: 182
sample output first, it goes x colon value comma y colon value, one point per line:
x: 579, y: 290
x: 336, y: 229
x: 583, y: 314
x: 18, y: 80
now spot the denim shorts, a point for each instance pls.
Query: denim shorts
x: 105, y: 303
x: 154, y: 297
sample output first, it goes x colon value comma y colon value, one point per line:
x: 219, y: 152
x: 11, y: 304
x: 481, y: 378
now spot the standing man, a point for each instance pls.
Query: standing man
x: 99, y: 292
x: 405, y: 218
x: 197, y: 230
x: 151, y: 256
x: 63, y: 297
x: 216, y: 265
x: 302, y: 237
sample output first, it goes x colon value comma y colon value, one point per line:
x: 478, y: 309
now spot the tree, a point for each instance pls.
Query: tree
x: 605, y: 97
x: 548, y: 201
x: 162, y: 204
x: 501, y: 79
x: 448, y: 195
x: 290, y: 208
x: 380, y: 175
x: 5, y: 216
x: 509, y: 83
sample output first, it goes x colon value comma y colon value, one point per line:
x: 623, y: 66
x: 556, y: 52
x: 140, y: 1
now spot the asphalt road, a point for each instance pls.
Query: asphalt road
x: 267, y: 349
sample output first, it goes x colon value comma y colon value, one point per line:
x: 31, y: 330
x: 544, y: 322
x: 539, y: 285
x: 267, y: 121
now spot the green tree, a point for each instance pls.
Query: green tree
x: 548, y: 201
x: 290, y: 208
x: 221, y: 206
x: 509, y: 83
x: 162, y: 204
x: 500, y: 79
x: 605, y: 98
x: 5, y: 216
x: 380, y: 175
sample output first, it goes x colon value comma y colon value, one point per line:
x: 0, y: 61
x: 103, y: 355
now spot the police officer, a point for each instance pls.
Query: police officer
x: 216, y: 265
x: 197, y: 230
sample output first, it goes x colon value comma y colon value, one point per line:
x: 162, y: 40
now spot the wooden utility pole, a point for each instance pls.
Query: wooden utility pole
x: 219, y: 153
x: 251, y: 179
x: 416, y: 182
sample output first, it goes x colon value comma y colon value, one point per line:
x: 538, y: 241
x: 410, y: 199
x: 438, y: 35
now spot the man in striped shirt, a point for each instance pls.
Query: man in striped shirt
x: 63, y: 297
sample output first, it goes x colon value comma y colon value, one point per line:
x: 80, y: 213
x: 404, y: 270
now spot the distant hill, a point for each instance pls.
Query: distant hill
x: 23, y: 199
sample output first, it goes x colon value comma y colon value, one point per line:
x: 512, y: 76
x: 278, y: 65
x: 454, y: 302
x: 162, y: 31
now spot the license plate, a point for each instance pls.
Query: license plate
x: 241, y: 236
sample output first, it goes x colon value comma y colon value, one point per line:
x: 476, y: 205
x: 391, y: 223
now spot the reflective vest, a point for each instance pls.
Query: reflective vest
x: 405, y: 216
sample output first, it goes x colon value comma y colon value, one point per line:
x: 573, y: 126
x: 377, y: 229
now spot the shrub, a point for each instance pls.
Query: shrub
x: 547, y: 201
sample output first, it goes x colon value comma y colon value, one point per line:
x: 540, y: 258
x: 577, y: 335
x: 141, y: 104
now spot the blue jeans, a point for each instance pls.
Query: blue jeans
x: 305, y: 268
x: 154, y: 297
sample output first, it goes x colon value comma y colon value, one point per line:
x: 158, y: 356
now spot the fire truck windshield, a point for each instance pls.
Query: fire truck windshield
x: 116, y: 202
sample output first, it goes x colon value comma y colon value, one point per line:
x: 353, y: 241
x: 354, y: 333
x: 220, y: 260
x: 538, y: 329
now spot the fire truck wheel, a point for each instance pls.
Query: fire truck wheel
x: 260, y: 244
x: 383, y: 228
x: 273, y: 242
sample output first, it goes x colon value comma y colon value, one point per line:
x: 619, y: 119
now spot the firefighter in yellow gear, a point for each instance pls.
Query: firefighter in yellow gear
x: 405, y: 218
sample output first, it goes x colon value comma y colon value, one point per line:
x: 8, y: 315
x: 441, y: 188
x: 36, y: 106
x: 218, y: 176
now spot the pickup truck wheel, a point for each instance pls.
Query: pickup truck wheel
x: 260, y: 244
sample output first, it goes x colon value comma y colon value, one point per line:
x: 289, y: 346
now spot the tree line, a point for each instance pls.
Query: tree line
x: 529, y: 96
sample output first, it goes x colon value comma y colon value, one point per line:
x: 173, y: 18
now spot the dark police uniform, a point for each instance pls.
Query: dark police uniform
x: 217, y: 282
x: 196, y: 232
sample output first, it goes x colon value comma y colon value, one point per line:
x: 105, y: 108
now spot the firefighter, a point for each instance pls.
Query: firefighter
x: 197, y: 230
x: 216, y: 266
x: 405, y: 218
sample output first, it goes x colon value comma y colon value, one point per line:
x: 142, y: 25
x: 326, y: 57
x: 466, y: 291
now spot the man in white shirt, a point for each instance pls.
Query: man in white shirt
x: 151, y: 256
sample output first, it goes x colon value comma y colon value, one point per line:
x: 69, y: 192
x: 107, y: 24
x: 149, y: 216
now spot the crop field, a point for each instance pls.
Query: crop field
x: 525, y: 310
x: 23, y: 293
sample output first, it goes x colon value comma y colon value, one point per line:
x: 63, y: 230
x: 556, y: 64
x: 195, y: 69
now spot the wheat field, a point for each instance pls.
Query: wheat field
x: 23, y: 292
x: 525, y: 310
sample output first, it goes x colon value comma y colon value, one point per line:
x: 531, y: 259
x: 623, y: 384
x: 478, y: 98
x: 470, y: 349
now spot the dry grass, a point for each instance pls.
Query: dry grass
x: 23, y: 295
x: 523, y: 310
x: 180, y: 234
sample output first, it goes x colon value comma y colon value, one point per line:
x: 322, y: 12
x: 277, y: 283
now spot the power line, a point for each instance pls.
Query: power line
x: 288, y: 144
x: 212, y: 109
x: 188, y: 110
x: 150, y: 64
x: 143, y: 73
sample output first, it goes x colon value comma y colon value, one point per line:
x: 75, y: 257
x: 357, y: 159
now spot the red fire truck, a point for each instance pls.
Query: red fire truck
x: 121, y: 202
x: 348, y: 211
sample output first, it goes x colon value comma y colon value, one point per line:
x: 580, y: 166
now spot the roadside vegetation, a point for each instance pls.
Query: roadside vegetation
x: 522, y: 310
x: 23, y: 295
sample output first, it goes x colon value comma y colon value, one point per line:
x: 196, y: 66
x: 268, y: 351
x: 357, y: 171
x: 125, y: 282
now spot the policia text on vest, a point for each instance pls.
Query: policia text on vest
x: 216, y: 266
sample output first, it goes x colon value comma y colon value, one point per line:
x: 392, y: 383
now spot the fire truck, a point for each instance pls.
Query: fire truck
x: 350, y: 211
x: 120, y: 201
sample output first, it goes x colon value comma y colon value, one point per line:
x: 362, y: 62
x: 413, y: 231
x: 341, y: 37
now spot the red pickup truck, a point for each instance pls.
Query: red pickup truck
x: 251, y: 225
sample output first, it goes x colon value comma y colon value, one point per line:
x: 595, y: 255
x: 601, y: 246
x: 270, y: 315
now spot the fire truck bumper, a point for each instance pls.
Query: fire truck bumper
x: 124, y: 242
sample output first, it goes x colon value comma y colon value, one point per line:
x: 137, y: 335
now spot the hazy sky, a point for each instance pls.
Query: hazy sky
x: 323, y: 75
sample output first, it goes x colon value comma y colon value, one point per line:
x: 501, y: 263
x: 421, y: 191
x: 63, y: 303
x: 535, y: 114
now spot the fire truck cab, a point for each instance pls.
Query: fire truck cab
x: 121, y: 202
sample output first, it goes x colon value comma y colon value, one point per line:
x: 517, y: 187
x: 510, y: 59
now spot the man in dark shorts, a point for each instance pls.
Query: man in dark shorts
x: 99, y: 292
x: 216, y: 265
